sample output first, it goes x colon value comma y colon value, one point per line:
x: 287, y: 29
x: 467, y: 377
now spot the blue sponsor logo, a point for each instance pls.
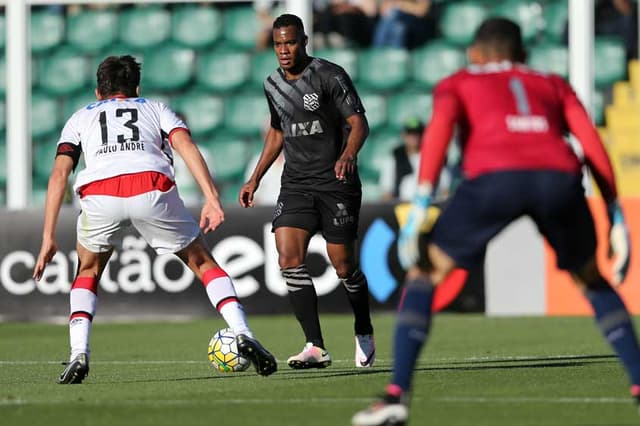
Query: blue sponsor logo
x: 373, y: 258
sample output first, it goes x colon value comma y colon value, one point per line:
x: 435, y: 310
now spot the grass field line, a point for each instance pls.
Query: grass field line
x: 328, y: 400
x: 470, y: 359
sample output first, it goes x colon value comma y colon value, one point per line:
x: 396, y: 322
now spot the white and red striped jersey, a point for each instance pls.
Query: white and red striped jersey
x: 120, y: 136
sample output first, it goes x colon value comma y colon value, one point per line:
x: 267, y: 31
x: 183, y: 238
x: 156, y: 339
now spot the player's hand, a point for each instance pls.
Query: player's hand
x: 619, y: 242
x: 211, y: 215
x: 345, y: 167
x: 408, y: 249
x: 245, y: 198
x: 48, y: 249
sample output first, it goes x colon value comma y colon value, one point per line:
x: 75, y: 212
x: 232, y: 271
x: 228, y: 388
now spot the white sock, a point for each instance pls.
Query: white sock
x: 223, y: 297
x: 82, y: 303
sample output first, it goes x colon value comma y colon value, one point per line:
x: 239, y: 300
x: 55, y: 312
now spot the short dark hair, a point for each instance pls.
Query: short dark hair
x: 502, y: 35
x: 286, y: 20
x: 118, y: 74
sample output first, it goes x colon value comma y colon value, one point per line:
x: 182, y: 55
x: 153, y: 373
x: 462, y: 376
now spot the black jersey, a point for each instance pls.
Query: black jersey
x: 311, y: 112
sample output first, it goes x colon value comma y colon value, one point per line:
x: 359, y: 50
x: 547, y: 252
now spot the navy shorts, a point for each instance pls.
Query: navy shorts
x: 335, y: 214
x: 482, y: 207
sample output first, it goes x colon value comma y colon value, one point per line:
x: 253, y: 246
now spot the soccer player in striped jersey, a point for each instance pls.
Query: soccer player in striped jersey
x: 319, y: 121
x: 128, y: 180
x: 512, y: 122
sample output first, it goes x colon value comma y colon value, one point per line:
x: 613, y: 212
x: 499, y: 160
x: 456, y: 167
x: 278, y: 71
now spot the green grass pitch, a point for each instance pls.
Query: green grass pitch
x: 474, y: 371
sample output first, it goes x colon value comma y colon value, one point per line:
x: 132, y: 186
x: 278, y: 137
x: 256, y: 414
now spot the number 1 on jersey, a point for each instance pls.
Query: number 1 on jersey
x: 520, y: 95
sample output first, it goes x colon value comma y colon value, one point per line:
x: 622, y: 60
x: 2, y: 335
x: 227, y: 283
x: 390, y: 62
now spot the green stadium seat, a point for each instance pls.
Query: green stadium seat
x: 526, y: 13
x: 3, y: 31
x: 92, y: 30
x: 555, y: 14
x: 45, y: 112
x: 3, y: 75
x: 598, y: 107
x: 230, y: 191
x: 262, y: 65
x: 376, y: 150
x: 64, y: 72
x: 44, y: 155
x: 383, y: 68
x: 223, y: 70
x: 375, y: 105
x: 405, y: 105
x: 228, y: 155
x: 346, y: 58
x: 434, y: 61
x: 246, y: 113
x: 610, y: 61
x: 3, y: 115
x: 202, y: 111
x: 47, y: 30
x: 550, y: 57
x: 196, y: 26
x: 71, y: 104
x: 144, y: 26
x: 3, y: 161
x: 241, y: 26
x: 460, y: 20
x: 168, y: 67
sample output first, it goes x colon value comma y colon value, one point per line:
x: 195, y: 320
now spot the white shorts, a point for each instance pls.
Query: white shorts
x: 160, y: 217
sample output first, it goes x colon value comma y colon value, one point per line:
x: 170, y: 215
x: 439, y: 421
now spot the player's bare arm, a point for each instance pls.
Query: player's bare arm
x: 346, y: 164
x: 62, y: 168
x: 273, y: 143
x: 212, y: 214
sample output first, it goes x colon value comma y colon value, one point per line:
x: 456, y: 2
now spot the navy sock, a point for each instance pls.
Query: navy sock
x: 412, y: 329
x: 614, y: 321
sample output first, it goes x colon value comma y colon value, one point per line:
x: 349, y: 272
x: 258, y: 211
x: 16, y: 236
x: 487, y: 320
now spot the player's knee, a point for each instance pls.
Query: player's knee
x: 588, y: 276
x: 289, y: 261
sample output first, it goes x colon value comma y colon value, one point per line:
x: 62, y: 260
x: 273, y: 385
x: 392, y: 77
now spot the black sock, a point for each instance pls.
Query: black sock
x: 358, y: 294
x: 304, y: 301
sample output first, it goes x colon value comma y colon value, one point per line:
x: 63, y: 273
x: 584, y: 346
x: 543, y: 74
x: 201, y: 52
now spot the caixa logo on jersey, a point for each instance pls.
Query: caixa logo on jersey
x: 378, y: 248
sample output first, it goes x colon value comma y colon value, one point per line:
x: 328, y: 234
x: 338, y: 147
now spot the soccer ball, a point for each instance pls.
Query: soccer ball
x: 223, y: 352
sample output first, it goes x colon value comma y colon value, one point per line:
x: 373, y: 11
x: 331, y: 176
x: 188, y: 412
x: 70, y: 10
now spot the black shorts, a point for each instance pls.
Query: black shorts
x: 483, y: 206
x: 335, y: 214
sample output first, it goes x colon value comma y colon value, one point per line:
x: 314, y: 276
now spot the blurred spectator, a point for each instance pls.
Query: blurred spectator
x: 340, y: 23
x: 618, y: 18
x: 403, y: 23
x: 264, y: 11
x: 399, y: 173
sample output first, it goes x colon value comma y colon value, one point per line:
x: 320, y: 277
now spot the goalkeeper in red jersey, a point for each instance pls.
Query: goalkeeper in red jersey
x: 512, y: 122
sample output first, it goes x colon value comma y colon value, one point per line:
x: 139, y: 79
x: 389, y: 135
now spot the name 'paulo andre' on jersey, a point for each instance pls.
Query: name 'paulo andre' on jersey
x: 122, y: 136
x: 311, y: 111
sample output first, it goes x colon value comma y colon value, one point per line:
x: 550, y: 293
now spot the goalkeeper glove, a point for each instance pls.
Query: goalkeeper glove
x: 408, y: 250
x: 620, y: 246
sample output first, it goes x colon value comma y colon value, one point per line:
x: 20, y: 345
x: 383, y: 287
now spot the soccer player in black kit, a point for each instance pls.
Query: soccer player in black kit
x: 318, y: 119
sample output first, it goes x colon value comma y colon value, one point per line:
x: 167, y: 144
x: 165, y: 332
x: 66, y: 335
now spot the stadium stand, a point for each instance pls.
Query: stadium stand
x: 168, y: 67
x: 144, y: 27
x: 47, y: 30
x: 101, y: 24
x: 201, y: 59
x: 196, y: 27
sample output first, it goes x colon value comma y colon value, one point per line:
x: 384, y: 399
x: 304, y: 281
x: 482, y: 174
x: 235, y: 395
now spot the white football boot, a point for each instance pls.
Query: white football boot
x: 365, y: 350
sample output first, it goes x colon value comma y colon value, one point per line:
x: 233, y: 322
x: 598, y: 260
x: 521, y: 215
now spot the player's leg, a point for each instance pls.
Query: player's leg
x: 479, y: 209
x: 564, y: 218
x: 222, y: 296
x: 83, y: 299
x: 613, y: 319
x: 295, y: 221
x: 343, y: 259
x: 98, y: 228
x: 292, y: 244
x: 168, y: 227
